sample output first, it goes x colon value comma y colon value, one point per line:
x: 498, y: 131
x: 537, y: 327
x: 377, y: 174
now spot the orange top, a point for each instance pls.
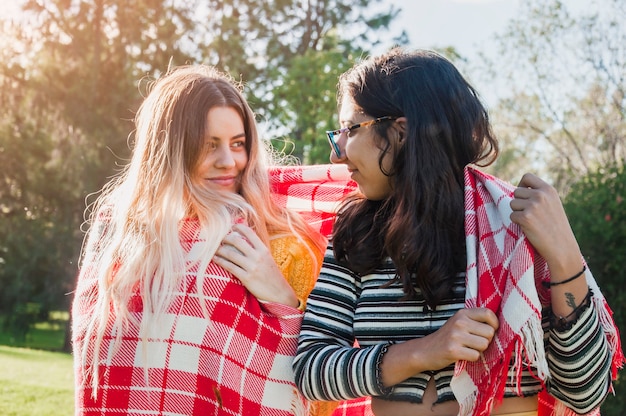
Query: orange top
x: 300, y: 264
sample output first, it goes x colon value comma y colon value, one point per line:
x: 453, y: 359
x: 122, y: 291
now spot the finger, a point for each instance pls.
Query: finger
x: 470, y: 348
x: 477, y: 342
x: 519, y: 204
x: 523, y: 193
x: 482, y: 332
x: 229, y: 266
x: 232, y: 255
x: 470, y: 355
x: 249, y: 234
x: 531, y: 181
x: 238, y: 242
x: 519, y: 217
x: 484, y: 315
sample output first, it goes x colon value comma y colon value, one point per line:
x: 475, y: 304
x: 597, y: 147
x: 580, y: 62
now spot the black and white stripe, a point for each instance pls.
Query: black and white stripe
x: 344, y: 307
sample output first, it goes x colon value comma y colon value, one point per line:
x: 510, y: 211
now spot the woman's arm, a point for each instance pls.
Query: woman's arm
x: 580, y: 361
x: 577, y: 349
x: 329, y: 368
x: 327, y: 364
x: 538, y: 210
x: 465, y: 336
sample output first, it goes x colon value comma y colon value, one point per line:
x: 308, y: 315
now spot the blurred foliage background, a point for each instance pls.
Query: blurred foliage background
x: 72, y: 73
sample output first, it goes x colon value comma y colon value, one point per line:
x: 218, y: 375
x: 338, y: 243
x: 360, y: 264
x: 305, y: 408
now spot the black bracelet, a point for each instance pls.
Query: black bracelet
x: 576, y: 276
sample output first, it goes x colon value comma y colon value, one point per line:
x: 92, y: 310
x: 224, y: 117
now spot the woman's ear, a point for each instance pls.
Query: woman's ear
x: 400, y: 125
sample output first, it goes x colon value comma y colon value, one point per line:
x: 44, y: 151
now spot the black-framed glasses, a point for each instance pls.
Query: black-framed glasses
x: 333, y: 135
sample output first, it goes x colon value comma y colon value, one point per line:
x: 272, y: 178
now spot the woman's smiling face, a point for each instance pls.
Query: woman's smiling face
x: 225, y: 156
x: 361, y: 153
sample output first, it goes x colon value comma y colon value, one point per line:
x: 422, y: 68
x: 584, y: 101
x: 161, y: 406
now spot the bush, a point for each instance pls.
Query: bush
x: 596, y: 207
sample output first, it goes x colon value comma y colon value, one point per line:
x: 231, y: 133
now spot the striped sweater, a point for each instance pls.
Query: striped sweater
x: 344, y: 307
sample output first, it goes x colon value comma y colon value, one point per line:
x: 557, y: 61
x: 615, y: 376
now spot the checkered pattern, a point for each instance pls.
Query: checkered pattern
x: 501, y: 274
x: 315, y: 191
x: 237, y: 362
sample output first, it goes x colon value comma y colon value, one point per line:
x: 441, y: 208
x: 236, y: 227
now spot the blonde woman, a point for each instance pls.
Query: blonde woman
x: 192, y: 282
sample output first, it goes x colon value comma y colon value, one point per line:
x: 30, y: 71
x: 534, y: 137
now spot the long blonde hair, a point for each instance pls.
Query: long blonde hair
x: 133, y: 242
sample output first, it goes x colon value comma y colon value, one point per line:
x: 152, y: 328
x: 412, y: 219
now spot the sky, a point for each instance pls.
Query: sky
x: 468, y: 25
x: 465, y: 24
x: 471, y: 26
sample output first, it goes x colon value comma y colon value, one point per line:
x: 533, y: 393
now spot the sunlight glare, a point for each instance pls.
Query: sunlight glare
x: 9, y: 9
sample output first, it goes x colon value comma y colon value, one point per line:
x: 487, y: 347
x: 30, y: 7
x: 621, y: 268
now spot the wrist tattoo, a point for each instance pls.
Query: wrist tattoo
x: 571, y: 301
x: 561, y: 324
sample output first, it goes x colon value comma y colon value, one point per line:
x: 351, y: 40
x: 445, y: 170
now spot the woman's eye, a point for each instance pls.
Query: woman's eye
x: 239, y: 143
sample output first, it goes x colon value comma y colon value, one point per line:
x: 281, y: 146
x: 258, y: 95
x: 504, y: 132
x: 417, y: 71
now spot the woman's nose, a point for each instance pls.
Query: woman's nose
x: 224, y: 158
x: 334, y: 158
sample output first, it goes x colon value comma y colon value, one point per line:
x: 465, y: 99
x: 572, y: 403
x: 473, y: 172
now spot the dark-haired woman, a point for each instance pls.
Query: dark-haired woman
x: 466, y: 295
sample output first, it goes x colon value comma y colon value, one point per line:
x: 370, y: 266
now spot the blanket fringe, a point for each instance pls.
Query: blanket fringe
x: 299, y: 405
x: 466, y: 406
x: 533, y: 352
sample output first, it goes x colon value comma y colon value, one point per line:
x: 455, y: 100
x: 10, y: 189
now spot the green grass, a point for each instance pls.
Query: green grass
x: 35, y: 382
x: 34, y: 379
x: 48, y: 335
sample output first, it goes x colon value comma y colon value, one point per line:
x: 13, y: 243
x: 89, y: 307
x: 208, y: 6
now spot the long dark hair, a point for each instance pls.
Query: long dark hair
x: 421, y: 225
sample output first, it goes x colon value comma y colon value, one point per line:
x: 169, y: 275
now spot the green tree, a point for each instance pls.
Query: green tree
x: 68, y: 80
x: 87, y: 57
x: 307, y: 104
x: 69, y: 76
x: 290, y: 53
x: 564, y: 105
x: 596, y: 207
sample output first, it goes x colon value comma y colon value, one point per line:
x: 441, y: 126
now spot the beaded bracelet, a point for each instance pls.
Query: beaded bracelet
x: 576, y: 276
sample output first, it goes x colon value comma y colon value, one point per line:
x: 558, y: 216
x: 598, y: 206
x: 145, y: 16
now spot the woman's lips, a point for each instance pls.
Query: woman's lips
x: 225, y: 181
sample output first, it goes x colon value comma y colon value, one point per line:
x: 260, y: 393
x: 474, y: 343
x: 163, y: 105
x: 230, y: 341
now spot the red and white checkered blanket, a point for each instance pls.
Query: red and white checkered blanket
x: 502, y: 270
x: 314, y: 191
x: 239, y: 360
x: 236, y: 362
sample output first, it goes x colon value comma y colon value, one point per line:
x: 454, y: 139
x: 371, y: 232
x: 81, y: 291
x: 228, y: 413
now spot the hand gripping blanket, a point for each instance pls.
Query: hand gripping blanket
x: 502, y: 271
x: 216, y: 351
